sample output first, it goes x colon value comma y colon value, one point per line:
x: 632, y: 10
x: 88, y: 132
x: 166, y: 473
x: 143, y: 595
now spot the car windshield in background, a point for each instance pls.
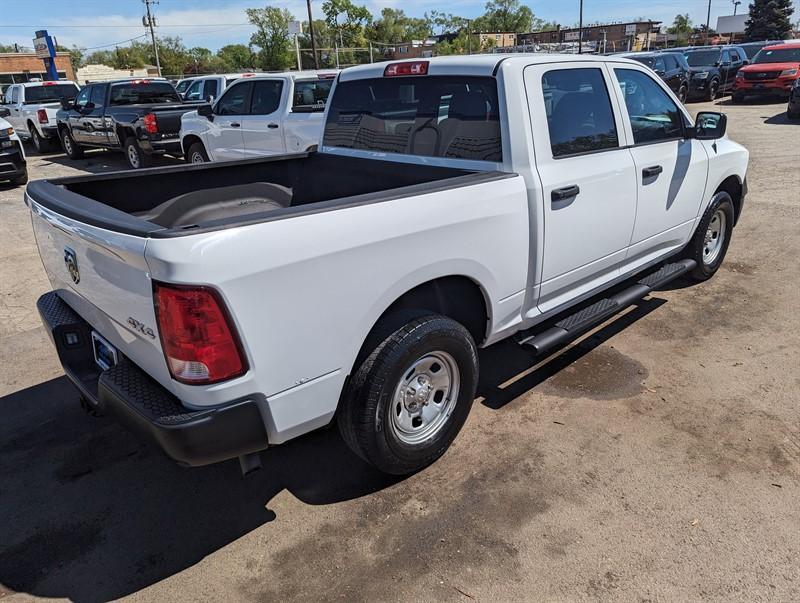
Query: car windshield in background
x: 649, y: 61
x: 49, y: 92
x: 702, y: 58
x: 135, y: 93
x: 434, y: 116
x: 778, y: 55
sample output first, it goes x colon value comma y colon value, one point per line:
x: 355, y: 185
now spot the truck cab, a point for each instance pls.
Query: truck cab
x: 257, y: 115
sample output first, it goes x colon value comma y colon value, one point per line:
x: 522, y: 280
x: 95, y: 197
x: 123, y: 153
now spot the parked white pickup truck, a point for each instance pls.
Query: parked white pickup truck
x: 257, y: 115
x: 32, y: 110
x: 454, y: 202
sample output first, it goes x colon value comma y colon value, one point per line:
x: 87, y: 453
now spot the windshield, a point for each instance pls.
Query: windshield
x: 435, y: 116
x: 49, y: 93
x: 702, y: 58
x: 649, y: 61
x: 142, y: 92
x: 182, y: 86
x: 778, y: 55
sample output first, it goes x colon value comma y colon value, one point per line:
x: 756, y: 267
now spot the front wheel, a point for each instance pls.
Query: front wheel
x: 713, y: 90
x: 411, y: 394
x: 710, y: 241
x: 197, y: 153
x: 71, y: 148
x: 683, y: 92
x: 134, y: 154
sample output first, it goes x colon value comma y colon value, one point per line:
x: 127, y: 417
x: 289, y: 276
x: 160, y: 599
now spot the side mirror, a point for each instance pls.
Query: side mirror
x: 205, y: 111
x: 710, y: 125
x: 67, y: 104
x: 4, y: 112
x: 210, y: 99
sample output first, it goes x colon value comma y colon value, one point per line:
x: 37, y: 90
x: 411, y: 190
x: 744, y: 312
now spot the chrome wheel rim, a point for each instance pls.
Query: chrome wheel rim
x: 37, y: 143
x: 133, y: 156
x: 425, y: 398
x: 715, y: 236
x: 197, y: 158
x: 67, y: 144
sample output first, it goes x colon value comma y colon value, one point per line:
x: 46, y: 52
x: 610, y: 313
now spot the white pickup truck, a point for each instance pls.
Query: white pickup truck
x: 257, y: 115
x: 32, y: 108
x: 454, y: 202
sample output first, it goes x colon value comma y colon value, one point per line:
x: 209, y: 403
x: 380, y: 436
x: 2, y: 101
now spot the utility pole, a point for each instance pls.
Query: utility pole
x: 580, y: 29
x: 149, y: 21
x: 311, y: 33
x: 708, y: 21
x: 736, y: 4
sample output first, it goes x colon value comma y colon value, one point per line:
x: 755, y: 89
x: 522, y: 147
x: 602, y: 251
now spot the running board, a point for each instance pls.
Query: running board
x: 571, y: 326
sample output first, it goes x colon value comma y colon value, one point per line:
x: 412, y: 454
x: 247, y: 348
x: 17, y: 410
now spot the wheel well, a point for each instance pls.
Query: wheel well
x: 733, y: 187
x: 456, y: 297
x: 188, y: 141
x: 31, y: 125
x: 123, y: 133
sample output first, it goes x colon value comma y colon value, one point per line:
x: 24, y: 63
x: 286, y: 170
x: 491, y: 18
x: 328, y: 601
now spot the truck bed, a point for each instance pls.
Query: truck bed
x: 182, y: 200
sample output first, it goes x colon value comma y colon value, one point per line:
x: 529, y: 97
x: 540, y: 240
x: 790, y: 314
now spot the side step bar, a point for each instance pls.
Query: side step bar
x: 570, y: 327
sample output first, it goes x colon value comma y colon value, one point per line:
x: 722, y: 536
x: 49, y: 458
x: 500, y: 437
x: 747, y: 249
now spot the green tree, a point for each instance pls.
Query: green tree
x: 394, y: 26
x: 75, y: 55
x: 235, y: 57
x: 271, y: 37
x: 442, y: 23
x: 769, y: 20
x: 682, y: 28
x: 505, y: 16
x: 7, y: 48
x: 348, y: 21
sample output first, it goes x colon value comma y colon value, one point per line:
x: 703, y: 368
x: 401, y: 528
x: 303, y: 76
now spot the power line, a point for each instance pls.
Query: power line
x: 115, y: 43
x: 62, y: 26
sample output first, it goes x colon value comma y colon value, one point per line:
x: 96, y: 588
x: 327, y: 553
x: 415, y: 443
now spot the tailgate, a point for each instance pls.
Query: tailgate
x: 104, y: 277
x: 169, y: 117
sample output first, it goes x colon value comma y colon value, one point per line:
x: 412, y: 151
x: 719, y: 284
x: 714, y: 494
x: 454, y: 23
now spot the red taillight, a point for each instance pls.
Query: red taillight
x: 197, y: 335
x: 151, y: 123
x: 408, y: 68
x: 42, y: 115
x: 139, y: 82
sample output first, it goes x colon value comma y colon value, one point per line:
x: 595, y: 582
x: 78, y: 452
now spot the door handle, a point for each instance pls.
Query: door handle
x: 652, y: 171
x: 273, y: 126
x: 560, y: 194
x: 235, y: 124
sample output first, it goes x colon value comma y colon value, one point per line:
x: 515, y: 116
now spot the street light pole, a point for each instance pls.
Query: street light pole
x: 708, y: 21
x: 311, y: 32
x: 580, y: 30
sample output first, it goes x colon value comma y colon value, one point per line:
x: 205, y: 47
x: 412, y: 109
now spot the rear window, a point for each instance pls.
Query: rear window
x: 437, y: 116
x: 134, y: 93
x: 50, y: 92
x: 311, y: 93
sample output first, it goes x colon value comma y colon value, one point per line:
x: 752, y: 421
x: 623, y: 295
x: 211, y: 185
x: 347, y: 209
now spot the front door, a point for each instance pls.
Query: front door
x: 14, y: 105
x: 75, y: 115
x: 670, y: 168
x: 589, y: 182
x: 262, y: 127
x: 224, y: 140
x: 93, y: 124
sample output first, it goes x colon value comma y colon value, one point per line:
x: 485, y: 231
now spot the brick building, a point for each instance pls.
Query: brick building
x: 612, y: 37
x: 16, y: 67
x: 501, y: 39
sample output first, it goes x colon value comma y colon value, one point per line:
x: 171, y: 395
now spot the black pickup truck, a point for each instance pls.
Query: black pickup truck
x: 141, y: 117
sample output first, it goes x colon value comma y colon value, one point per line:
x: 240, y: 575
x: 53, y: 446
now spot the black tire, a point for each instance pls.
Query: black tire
x: 133, y: 153
x: 737, y: 97
x: 400, y: 341
x: 695, y: 250
x: 71, y: 148
x: 20, y: 180
x: 42, y: 145
x: 792, y: 114
x: 683, y: 92
x: 196, y: 150
x: 713, y: 89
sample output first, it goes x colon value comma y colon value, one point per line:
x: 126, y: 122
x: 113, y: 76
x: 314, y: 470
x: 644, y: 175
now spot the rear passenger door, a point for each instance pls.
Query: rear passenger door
x: 588, y: 178
x: 670, y: 168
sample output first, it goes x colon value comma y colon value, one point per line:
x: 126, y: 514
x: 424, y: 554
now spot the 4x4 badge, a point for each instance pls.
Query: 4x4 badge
x: 71, y: 260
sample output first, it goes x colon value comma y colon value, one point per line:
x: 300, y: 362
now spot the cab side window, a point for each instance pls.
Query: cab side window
x: 579, y: 114
x: 14, y: 95
x: 266, y: 97
x: 653, y: 114
x: 234, y: 101
x: 210, y: 89
x: 98, y: 97
x: 195, y: 91
x: 726, y: 58
x: 83, y: 97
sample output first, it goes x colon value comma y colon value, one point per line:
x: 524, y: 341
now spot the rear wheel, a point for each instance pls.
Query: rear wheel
x: 197, y: 153
x: 710, y: 241
x: 411, y: 394
x: 42, y: 145
x: 71, y: 148
x: 134, y: 154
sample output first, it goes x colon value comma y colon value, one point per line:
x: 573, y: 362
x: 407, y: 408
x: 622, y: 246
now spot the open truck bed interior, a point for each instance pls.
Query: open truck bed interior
x: 180, y: 200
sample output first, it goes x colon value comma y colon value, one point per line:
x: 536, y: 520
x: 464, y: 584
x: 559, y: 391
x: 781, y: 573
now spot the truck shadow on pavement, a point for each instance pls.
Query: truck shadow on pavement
x: 91, y: 514
x: 97, y: 161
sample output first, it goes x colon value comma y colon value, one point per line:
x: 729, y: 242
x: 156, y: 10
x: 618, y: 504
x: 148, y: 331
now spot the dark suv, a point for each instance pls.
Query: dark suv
x: 713, y: 69
x: 670, y: 67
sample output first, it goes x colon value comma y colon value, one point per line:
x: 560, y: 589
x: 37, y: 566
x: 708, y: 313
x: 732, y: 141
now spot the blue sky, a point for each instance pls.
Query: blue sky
x: 214, y: 23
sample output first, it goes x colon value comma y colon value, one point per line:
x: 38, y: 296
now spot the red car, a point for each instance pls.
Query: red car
x: 773, y: 71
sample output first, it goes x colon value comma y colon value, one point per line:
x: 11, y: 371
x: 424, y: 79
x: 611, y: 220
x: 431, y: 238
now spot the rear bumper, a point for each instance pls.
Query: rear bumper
x: 190, y: 437
x: 50, y: 131
x: 171, y: 146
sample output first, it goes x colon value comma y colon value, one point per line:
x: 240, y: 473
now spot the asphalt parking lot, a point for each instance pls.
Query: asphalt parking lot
x: 656, y: 459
